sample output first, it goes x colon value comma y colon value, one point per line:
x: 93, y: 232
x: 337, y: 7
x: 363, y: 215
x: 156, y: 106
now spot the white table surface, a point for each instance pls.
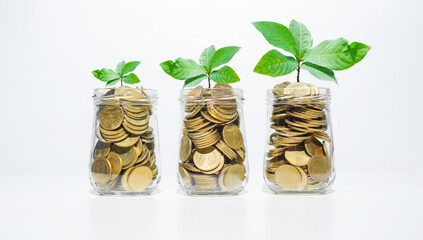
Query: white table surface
x: 362, y: 206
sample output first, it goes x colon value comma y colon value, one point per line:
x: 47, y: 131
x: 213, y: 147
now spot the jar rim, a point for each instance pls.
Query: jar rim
x: 151, y: 93
x: 324, y: 95
x: 238, y: 93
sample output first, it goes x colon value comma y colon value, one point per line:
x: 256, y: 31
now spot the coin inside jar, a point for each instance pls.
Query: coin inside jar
x: 319, y: 168
x: 185, y: 149
x: 139, y: 178
x: 234, y: 176
x: 297, y: 156
x: 287, y: 176
x: 232, y: 136
x: 110, y: 117
x: 207, y: 159
x: 100, y: 170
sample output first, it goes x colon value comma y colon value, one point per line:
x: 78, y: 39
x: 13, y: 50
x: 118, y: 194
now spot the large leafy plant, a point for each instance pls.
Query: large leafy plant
x: 320, y: 61
x: 194, y: 73
x: 122, y: 73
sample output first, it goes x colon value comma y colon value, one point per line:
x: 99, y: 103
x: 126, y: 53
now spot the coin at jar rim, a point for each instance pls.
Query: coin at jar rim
x: 298, y: 89
x: 197, y: 92
x: 319, y: 168
x: 313, y: 146
x: 278, y: 89
x: 100, y: 170
x: 207, y: 159
x: 110, y: 117
x: 233, y: 176
x: 115, y: 163
x: 140, y: 178
x: 232, y: 136
x: 128, y: 142
x: 288, y: 177
x: 126, y: 154
x: 185, y: 176
x: 297, y: 156
x: 101, y: 149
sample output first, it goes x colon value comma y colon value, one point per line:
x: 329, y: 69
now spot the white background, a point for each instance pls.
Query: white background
x: 48, y: 49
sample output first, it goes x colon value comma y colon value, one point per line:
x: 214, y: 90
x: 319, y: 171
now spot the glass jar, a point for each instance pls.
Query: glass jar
x: 299, y: 144
x: 125, y: 151
x: 212, y: 157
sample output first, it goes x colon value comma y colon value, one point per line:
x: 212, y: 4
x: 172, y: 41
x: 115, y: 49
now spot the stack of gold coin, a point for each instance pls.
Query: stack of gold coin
x: 212, y: 151
x: 299, y: 158
x: 123, y: 157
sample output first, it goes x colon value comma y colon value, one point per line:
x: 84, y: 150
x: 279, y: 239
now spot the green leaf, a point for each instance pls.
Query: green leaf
x: 99, y: 75
x: 112, y: 82
x: 319, y: 72
x: 130, y: 66
x: 358, y: 51
x: 182, y: 69
x: 275, y: 64
x: 206, y: 57
x: 131, y: 79
x: 278, y: 35
x: 332, y: 54
x: 225, y: 75
x: 109, y: 74
x: 119, y: 68
x: 223, y: 56
x: 303, y: 39
x: 191, y: 82
x: 169, y: 67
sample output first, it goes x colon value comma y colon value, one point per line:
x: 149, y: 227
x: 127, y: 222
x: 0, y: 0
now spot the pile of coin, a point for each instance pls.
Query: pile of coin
x: 123, y: 157
x: 299, y: 158
x: 212, y: 151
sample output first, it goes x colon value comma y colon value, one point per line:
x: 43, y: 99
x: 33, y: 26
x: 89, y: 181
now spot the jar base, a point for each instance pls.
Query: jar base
x: 315, y: 191
x: 101, y: 192
x: 196, y: 192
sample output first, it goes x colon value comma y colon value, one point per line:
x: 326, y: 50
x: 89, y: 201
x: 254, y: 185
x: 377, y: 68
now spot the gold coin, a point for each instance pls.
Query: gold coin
x: 185, y: 149
x: 234, y: 176
x: 110, y: 117
x: 204, y: 182
x: 298, y: 89
x: 185, y: 176
x: 297, y: 156
x: 217, y: 169
x: 124, y: 180
x: 319, y: 168
x: 100, y: 170
x: 128, y: 142
x: 207, y: 159
x: 232, y: 136
x: 140, y: 178
x: 279, y: 88
x: 313, y: 146
x: 115, y: 163
x: 101, y: 149
x: 197, y: 92
x: 125, y: 154
x: 288, y: 177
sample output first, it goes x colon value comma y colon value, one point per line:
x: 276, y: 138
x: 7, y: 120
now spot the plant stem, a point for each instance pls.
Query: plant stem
x: 121, y: 84
x: 298, y: 74
x: 208, y: 78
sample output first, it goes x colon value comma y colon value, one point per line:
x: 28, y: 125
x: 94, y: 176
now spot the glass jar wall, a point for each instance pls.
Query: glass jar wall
x: 125, y: 151
x: 299, y: 143
x: 212, y: 157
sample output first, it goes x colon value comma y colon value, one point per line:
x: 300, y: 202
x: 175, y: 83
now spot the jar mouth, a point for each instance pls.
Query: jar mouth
x: 212, y: 94
x: 324, y: 95
x: 100, y: 95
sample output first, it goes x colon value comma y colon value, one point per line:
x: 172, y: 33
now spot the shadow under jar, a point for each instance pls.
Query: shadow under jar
x: 125, y: 151
x: 299, y: 142
x: 212, y: 157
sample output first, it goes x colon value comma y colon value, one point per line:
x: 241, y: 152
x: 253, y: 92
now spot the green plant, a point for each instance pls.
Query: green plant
x: 320, y: 60
x: 193, y: 73
x: 123, y: 73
